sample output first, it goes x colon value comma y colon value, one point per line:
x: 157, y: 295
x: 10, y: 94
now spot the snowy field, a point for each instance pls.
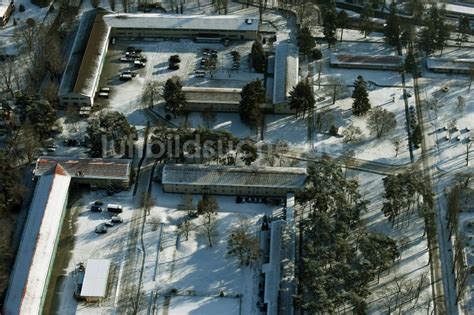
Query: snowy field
x: 200, y: 274
x: 190, y: 305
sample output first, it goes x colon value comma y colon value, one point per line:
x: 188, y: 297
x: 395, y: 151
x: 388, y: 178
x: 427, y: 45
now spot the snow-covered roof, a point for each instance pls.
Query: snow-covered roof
x: 86, y: 168
x: 361, y: 60
x: 69, y: 78
x: 450, y: 63
x: 29, y: 278
x: 209, y: 94
x: 187, y: 22
x: 96, y: 278
x: 94, y: 54
x: 196, y: 174
x: 460, y: 9
x: 4, y: 8
x: 286, y: 71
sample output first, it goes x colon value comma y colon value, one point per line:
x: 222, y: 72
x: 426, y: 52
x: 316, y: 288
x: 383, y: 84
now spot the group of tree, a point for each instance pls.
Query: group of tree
x: 392, y: 27
x: 435, y: 32
x: 306, y: 41
x: 416, y: 136
x: 366, y: 24
x: 361, y: 104
x: 333, y: 20
x: 11, y: 189
x: 110, y: 128
x: 302, y: 98
x: 381, y: 121
x: 201, y: 145
x: 339, y: 256
x: 174, y: 97
x: 404, y: 194
x: 258, y: 56
x: 243, y: 243
x: 252, y: 100
x: 464, y: 28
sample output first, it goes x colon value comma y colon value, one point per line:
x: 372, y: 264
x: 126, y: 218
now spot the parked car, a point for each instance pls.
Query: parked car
x: 103, y: 95
x: 199, y: 73
x: 139, y: 64
x: 175, y: 59
x: 173, y: 66
x: 114, y: 208
x: 51, y: 149
x: 125, y: 77
x: 109, y: 223
x: 98, y: 203
x: 101, y: 228
x: 130, y: 48
x: 95, y: 208
x: 117, y: 219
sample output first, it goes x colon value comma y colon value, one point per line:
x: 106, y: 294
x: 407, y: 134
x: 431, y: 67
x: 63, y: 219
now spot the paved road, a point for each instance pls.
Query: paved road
x: 356, y: 164
x: 132, y: 254
x: 443, y: 280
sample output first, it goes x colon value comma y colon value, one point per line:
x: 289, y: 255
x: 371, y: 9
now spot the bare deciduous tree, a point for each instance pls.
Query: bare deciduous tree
x: 352, y: 134
x: 208, y: 227
x: 336, y: 87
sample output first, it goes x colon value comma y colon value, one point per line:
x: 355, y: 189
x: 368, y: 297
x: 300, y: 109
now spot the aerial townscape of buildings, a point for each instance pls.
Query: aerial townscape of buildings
x: 236, y: 157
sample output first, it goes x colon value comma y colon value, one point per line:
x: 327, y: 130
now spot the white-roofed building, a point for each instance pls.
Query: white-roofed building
x: 450, y: 65
x: 371, y: 62
x: 286, y: 75
x: 94, y: 287
x: 232, y: 180
x: 6, y: 9
x: 140, y: 25
x: 35, y: 257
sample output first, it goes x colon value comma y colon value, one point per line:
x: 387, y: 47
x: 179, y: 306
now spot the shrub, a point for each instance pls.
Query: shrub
x: 333, y: 130
x: 21, y: 8
x: 317, y: 54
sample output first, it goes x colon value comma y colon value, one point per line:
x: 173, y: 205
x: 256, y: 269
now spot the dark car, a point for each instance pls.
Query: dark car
x: 101, y: 228
x: 96, y: 208
x: 98, y: 203
x: 173, y: 66
x: 175, y: 59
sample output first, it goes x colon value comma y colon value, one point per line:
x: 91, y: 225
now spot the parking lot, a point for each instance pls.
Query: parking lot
x: 200, y: 65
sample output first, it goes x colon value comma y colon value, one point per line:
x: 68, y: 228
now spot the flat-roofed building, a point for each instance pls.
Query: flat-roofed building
x: 35, y: 257
x: 81, y: 78
x: 369, y: 62
x: 98, y: 172
x: 450, y: 65
x: 156, y: 25
x: 96, y: 278
x: 285, y: 76
x: 232, y: 180
x: 6, y: 10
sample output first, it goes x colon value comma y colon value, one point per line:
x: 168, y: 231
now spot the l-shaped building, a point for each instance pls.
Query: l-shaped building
x: 81, y: 77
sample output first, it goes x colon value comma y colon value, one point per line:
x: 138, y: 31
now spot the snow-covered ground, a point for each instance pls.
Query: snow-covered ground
x: 413, y: 262
x: 9, y: 31
x: 200, y: 274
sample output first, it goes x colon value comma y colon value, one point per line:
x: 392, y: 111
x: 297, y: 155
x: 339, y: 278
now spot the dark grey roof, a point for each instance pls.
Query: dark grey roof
x: 195, y: 174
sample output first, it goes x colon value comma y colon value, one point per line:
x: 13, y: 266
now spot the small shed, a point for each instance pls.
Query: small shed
x: 94, y: 287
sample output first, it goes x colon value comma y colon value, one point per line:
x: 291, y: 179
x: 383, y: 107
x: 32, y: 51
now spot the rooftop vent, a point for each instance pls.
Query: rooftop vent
x: 249, y: 21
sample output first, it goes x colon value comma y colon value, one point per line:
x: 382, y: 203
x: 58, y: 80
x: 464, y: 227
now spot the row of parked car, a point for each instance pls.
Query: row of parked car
x: 98, y: 206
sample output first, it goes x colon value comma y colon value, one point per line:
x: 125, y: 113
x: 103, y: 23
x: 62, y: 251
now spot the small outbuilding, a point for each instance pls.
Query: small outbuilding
x: 94, y: 287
